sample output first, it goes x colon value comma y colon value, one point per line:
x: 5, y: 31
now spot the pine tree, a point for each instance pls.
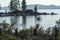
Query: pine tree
x: 11, y: 5
x: 23, y: 5
x: 35, y: 9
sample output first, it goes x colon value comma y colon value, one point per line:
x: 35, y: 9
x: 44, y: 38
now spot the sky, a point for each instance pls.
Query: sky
x: 29, y: 2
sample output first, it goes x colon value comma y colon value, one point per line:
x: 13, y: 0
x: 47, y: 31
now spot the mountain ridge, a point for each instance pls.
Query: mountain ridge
x: 38, y: 7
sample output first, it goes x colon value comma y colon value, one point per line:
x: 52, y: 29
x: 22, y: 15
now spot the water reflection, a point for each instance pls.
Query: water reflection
x: 47, y: 21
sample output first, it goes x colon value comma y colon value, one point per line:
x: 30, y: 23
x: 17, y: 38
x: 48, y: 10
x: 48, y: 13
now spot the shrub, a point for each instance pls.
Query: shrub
x: 10, y: 37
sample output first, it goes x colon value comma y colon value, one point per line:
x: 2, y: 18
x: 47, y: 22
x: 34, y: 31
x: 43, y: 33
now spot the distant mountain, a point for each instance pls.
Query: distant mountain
x: 38, y: 7
x: 43, y: 7
x: 4, y: 8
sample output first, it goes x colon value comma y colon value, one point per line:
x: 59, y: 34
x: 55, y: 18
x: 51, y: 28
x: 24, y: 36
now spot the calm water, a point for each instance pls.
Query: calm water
x: 46, y: 20
x: 49, y: 11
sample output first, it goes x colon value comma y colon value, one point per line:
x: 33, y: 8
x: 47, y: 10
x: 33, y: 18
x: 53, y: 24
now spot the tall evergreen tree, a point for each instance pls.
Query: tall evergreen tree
x: 35, y: 9
x: 11, y: 5
x: 23, y: 5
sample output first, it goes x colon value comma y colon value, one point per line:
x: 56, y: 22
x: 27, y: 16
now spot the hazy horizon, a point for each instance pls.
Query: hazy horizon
x: 29, y: 2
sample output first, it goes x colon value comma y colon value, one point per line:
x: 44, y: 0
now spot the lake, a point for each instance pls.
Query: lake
x: 46, y: 20
x: 50, y: 10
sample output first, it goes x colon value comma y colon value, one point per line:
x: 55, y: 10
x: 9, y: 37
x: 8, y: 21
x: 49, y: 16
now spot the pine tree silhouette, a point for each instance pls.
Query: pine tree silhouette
x: 35, y: 9
x: 23, y: 5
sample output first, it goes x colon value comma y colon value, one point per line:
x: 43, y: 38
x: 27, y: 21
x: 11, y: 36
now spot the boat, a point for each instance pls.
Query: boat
x: 38, y: 18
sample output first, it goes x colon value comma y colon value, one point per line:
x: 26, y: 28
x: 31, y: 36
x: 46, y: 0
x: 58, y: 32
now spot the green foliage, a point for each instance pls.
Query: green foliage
x: 55, y: 32
x: 31, y: 29
x: 37, y: 26
x: 10, y: 37
x: 48, y: 31
x: 5, y: 25
x: 14, y: 5
x: 28, y: 34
